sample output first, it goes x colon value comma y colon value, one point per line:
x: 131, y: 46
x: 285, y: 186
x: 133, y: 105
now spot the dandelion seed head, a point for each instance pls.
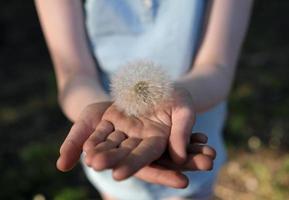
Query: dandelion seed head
x: 139, y: 87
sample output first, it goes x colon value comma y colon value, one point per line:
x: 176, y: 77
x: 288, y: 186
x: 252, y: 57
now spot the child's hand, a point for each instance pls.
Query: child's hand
x: 166, y: 172
x: 129, y: 143
x: 71, y: 148
x: 200, y: 156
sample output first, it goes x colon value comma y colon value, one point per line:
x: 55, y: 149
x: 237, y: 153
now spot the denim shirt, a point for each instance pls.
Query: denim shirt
x: 166, y: 32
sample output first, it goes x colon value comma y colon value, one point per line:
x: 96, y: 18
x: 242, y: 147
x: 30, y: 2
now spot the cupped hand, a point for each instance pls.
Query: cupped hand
x: 128, y: 143
x: 164, y: 171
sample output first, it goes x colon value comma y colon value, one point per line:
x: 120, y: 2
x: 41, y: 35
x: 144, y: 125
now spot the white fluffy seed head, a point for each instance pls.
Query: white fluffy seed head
x: 139, y: 87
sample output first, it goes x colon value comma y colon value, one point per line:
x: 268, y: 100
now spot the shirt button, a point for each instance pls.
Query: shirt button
x: 148, y: 3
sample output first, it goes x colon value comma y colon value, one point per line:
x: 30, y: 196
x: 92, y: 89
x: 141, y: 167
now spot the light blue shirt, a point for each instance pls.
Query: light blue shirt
x: 166, y: 32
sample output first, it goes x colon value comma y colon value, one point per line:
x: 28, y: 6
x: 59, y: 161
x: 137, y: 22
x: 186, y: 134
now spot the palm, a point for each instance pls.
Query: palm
x: 127, y: 143
x: 130, y: 144
x: 147, y: 137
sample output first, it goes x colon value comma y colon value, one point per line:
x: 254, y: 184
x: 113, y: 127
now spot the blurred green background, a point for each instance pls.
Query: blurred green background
x: 32, y: 126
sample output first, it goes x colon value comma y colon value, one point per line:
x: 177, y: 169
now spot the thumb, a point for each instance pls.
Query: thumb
x: 182, y: 124
x: 72, y: 146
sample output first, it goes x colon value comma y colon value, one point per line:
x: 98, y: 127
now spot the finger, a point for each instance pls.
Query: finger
x: 204, y: 149
x: 159, y: 175
x: 198, y: 138
x: 146, y: 152
x: 113, y: 140
x: 194, y: 162
x: 199, y: 162
x: 182, y: 124
x: 110, y: 158
x: 103, y: 129
x: 72, y: 146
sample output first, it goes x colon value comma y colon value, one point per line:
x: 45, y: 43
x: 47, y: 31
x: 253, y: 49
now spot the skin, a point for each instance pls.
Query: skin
x: 113, y: 140
x: 83, y: 100
x: 127, y: 144
x: 210, y: 78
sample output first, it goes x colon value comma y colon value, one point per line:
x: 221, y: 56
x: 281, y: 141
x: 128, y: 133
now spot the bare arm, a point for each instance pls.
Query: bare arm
x: 79, y: 87
x: 211, y: 76
x: 77, y: 78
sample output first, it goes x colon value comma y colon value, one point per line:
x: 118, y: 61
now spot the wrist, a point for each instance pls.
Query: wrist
x: 182, y: 90
x: 78, y: 92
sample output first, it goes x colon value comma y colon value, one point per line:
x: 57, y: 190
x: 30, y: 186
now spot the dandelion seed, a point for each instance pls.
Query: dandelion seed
x: 139, y: 87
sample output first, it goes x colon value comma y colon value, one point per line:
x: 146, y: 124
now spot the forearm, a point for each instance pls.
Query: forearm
x: 212, y: 73
x: 76, y: 71
x: 207, y: 87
